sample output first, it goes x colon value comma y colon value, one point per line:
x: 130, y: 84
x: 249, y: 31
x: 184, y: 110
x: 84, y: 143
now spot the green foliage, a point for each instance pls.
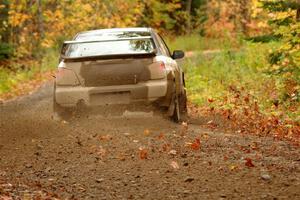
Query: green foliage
x: 6, y: 51
x: 164, y: 15
x: 280, y: 5
x: 285, y: 60
x: 210, y: 76
x: 264, y: 38
x: 9, y: 79
x: 4, y: 8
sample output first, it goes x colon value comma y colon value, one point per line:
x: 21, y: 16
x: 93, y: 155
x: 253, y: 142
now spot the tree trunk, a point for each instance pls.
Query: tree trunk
x: 4, y: 34
x: 40, y: 19
x: 298, y: 11
x: 189, y: 10
x: 244, y: 14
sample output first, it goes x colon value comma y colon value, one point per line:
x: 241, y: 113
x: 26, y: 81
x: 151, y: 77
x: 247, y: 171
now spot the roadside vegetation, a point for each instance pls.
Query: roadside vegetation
x: 197, y: 43
x: 233, y: 81
x: 244, y: 56
x: 20, y: 77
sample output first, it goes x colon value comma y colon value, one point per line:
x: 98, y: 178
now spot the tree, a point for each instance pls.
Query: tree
x: 6, y: 49
x: 4, y: 32
x: 228, y: 17
x: 189, y: 11
x: 164, y: 15
x: 285, y: 61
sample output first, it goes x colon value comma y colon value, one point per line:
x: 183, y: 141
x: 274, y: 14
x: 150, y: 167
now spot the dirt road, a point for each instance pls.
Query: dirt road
x: 135, y: 157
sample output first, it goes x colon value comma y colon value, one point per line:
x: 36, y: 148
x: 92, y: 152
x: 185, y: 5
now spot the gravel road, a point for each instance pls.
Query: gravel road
x: 136, y: 156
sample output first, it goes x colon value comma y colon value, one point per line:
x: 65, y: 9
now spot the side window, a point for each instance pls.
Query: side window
x: 165, y: 45
x: 162, y: 45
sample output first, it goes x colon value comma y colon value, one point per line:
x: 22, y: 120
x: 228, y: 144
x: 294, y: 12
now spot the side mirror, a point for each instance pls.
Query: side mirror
x: 177, y: 54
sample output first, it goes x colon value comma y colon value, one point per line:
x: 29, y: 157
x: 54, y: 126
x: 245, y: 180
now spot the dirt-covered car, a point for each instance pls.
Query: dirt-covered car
x: 120, y: 66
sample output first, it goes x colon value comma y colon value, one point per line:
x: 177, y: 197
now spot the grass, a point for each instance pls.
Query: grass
x: 209, y: 76
x: 197, y: 43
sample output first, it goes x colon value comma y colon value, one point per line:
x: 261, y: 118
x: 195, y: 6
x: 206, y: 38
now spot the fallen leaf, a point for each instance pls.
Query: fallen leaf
x: 166, y: 146
x: 210, y: 100
x: 143, y: 154
x: 105, y: 137
x: 248, y: 162
x: 101, y: 152
x: 206, y: 136
x: 98, y: 150
x: 254, y: 146
x: 196, y: 144
x: 210, y: 122
x: 188, y: 144
x: 146, y: 132
x: 189, y: 179
x: 225, y: 158
x: 174, y: 164
x: 6, y: 198
x: 127, y: 134
x: 221, y: 168
x: 232, y: 167
x: 121, y: 157
x: 161, y: 136
x: 173, y: 152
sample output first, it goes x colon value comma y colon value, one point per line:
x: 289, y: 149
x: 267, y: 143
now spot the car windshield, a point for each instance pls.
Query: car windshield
x: 109, y: 47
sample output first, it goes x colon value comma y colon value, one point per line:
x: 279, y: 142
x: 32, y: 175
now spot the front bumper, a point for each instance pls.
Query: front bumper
x: 69, y: 96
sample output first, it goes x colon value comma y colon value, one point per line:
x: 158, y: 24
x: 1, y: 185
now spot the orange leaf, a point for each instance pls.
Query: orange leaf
x: 248, y: 162
x: 210, y: 100
x: 143, y: 154
x: 196, y: 144
x: 146, y: 132
x: 105, y: 137
x: 161, y: 136
x: 225, y: 158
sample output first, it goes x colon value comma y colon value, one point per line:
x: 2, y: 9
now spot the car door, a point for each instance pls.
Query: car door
x: 178, y: 72
x: 165, y: 53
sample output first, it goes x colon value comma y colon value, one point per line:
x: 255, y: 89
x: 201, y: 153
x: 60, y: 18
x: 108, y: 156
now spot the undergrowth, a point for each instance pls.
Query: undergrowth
x: 19, y: 71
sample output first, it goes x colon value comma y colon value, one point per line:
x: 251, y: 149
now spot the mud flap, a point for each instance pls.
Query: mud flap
x: 172, y: 106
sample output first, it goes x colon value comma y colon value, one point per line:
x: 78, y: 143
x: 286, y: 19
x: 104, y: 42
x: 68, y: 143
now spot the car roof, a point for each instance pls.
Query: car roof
x: 114, y: 30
